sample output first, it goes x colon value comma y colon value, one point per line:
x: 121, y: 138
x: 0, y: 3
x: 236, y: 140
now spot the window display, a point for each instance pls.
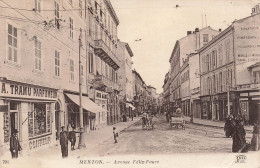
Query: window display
x: 39, y: 119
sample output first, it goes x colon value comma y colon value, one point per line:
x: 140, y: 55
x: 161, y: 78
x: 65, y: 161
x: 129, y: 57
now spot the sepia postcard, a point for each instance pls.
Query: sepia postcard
x: 129, y: 83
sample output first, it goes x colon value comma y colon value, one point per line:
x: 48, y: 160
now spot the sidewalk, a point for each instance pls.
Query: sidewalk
x: 211, y: 123
x: 92, y: 140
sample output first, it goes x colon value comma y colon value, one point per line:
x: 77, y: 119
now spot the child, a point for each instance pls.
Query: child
x: 115, y: 134
x: 72, y: 137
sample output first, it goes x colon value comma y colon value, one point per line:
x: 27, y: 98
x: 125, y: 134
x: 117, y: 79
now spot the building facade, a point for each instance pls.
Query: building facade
x: 102, y: 60
x: 179, y: 82
x: 50, y: 55
x: 226, y: 81
x: 125, y: 55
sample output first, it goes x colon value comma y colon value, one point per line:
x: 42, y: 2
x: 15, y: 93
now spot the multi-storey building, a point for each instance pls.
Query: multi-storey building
x: 52, y: 52
x: 139, y: 92
x: 152, y: 106
x: 39, y: 65
x: 103, y: 63
x: 194, y: 82
x: 166, y: 92
x: 183, y: 47
x: 225, y: 65
x: 125, y: 55
x: 185, y: 87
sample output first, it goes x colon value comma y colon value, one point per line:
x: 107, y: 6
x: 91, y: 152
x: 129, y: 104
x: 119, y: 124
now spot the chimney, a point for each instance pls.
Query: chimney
x: 197, y: 29
x: 219, y: 30
x: 188, y: 32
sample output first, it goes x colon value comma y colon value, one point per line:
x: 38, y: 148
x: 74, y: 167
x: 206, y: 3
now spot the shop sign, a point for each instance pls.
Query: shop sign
x: 36, y: 143
x: 25, y: 91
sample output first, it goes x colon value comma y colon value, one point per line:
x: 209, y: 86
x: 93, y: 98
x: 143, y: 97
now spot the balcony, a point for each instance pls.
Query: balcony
x: 110, y: 86
x: 103, y: 51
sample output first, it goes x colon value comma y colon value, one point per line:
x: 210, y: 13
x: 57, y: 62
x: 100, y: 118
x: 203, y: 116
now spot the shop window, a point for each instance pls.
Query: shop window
x: 39, y: 119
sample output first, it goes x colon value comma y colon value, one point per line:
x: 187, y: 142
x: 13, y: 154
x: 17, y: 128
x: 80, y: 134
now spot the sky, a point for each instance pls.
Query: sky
x: 159, y: 23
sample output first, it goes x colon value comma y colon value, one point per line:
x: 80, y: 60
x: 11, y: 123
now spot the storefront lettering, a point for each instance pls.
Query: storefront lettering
x: 39, y: 142
x: 13, y: 89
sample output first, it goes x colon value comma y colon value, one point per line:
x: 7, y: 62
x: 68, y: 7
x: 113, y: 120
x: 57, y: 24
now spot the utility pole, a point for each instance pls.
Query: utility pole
x: 82, y: 131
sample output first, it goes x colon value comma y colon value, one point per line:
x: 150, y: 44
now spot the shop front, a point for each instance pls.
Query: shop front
x: 249, y: 106
x: 206, y: 112
x: 94, y: 116
x: 30, y: 110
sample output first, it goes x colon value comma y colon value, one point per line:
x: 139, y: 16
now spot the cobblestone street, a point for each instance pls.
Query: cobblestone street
x: 163, y: 140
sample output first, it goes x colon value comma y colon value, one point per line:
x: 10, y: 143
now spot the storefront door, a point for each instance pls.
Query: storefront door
x: 14, y: 122
x: 57, y: 120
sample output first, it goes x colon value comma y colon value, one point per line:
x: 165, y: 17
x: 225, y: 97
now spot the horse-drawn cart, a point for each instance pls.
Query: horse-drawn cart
x: 147, y: 123
x: 177, y: 119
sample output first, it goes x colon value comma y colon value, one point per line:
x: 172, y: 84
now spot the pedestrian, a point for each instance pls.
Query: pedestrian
x: 115, y: 134
x: 229, y: 127
x: 239, y: 141
x: 64, y: 142
x: 14, y: 144
x: 72, y: 138
x: 255, y: 143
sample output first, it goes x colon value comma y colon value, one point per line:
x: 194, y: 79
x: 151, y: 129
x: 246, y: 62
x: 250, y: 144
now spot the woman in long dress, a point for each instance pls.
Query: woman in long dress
x: 255, y: 143
x: 239, y: 140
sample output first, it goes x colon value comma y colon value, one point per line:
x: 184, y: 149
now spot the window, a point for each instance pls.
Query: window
x: 57, y: 63
x: 72, y: 70
x: 37, y: 6
x: 205, y: 37
x: 12, y: 44
x: 57, y: 14
x: 220, y: 55
x: 90, y: 60
x: 90, y: 25
x: 207, y: 62
x: 220, y: 82
x: 39, y: 119
x: 81, y: 74
x: 227, y: 48
x: 38, y: 59
x: 71, y: 28
x: 80, y: 8
x: 256, y: 76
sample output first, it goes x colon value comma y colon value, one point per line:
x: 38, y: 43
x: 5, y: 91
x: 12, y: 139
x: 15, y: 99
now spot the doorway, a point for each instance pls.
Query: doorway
x: 57, y: 120
x: 14, y: 120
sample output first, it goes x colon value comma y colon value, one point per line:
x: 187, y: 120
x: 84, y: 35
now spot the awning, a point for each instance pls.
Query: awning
x: 87, y: 104
x: 130, y: 105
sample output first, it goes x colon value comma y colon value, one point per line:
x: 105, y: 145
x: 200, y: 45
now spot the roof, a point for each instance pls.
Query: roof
x: 138, y: 75
x: 129, y: 49
x: 111, y: 9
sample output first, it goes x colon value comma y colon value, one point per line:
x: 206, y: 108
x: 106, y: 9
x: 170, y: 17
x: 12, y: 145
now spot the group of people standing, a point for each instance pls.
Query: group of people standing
x: 65, y: 137
x: 235, y: 128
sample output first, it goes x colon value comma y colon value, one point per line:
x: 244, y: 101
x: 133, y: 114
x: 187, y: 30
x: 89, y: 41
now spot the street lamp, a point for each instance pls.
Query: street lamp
x: 82, y: 132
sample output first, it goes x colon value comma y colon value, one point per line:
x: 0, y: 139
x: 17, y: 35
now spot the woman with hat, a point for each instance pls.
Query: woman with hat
x: 14, y: 144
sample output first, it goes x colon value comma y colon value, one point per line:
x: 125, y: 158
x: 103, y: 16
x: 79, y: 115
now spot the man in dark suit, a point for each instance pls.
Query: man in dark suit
x: 14, y: 144
x: 64, y: 142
